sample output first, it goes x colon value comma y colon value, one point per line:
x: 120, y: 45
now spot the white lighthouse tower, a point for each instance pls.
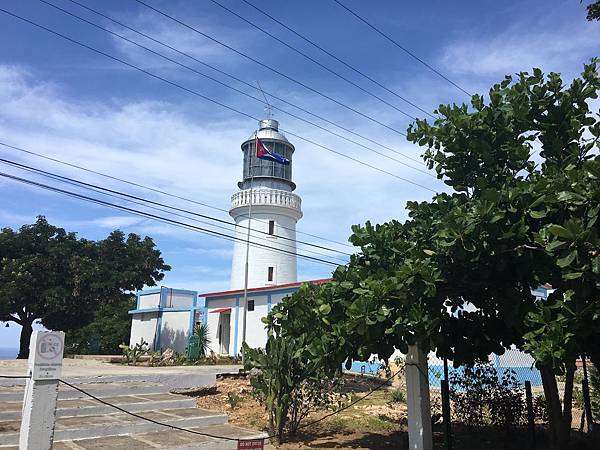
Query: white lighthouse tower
x: 267, y: 205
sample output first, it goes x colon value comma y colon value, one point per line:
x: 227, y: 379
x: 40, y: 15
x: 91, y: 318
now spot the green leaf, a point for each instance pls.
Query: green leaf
x: 428, y: 252
x: 325, y: 309
x: 537, y: 214
x: 559, y: 231
x: 572, y: 275
x: 567, y: 260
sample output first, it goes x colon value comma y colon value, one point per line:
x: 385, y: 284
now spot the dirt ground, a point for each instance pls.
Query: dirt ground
x: 376, y: 423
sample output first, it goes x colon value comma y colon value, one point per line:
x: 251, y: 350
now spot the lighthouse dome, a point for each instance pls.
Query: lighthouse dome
x: 266, y: 173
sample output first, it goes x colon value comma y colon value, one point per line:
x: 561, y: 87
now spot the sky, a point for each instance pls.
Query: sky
x: 70, y: 103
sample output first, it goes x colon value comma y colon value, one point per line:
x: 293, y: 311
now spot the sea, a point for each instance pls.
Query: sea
x: 8, y: 352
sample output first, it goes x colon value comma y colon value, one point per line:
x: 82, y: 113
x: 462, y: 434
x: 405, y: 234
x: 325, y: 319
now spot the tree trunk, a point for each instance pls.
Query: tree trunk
x: 568, y: 405
x: 559, y: 419
x: 26, y: 332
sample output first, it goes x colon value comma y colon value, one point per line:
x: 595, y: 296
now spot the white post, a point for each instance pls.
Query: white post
x: 41, y: 390
x: 245, y: 314
x: 417, y: 393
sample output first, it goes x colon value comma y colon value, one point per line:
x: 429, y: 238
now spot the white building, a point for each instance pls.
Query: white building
x: 164, y: 318
x: 266, y: 206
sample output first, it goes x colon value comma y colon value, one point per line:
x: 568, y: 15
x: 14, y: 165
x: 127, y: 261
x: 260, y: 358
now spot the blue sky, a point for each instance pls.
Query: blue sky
x: 66, y: 102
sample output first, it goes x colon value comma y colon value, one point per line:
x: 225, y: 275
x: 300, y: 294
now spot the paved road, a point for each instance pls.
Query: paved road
x: 90, y: 368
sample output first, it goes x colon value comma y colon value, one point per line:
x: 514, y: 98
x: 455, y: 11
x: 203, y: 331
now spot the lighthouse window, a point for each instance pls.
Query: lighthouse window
x: 250, y: 305
x: 271, y: 227
x: 270, y: 274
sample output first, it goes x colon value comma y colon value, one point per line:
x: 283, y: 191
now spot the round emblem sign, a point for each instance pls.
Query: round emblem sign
x: 49, y: 346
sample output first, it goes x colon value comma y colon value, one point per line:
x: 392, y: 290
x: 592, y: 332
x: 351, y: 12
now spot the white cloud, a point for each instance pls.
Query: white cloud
x: 549, y: 43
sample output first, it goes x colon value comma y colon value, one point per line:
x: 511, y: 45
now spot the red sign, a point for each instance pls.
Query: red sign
x: 251, y: 444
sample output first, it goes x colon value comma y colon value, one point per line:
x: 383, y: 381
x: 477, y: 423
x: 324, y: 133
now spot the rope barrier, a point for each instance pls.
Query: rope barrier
x: 187, y: 430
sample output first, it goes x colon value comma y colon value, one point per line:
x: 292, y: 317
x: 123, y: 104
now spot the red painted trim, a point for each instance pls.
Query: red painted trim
x: 265, y: 288
x: 220, y: 310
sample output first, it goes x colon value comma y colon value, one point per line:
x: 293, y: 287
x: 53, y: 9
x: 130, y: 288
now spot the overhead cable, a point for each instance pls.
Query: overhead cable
x: 151, y: 189
x: 270, y: 68
x: 239, y: 80
x: 313, y: 60
x: 198, y: 94
x: 401, y: 47
x: 345, y: 63
x: 240, y: 91
x: 145, y: 202
x: 159, y: 218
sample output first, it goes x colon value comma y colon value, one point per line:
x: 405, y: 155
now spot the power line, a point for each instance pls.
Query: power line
x: 348, y: 65
x: 401, y: 47
x: 313, y: 60
x: 143, y: 202
x: 382, y: 384
x: 159, y: 218
x: 198, y: 94
x: 260, y: 63
x: 250, y: 85
x: 238, y: 90
x: 158, y: 191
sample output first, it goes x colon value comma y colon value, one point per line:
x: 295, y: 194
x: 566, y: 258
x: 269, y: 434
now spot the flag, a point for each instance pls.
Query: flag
x: 263, y: 152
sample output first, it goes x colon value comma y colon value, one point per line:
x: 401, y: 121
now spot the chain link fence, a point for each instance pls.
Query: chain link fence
x: 493, y: 395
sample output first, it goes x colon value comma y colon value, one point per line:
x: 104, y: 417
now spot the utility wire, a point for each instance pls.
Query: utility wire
x: 238, y: 90
x: 239, y: 80
x: 262, y: 64
x: 157, y: 217
x: 313, y: 60
x: 148, y: 188
x: 198, y: 94
x: 401, y: 47
x: 383, y: 383
x: 144, y: 202
x: 348, y: 65
x: 156, y: 422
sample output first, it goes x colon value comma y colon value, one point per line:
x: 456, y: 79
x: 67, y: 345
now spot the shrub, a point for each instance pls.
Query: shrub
x: 233, y: 400
x: 201, y: 330
x: 289, y: 387
x: 481, y: 396
x: 397, y: 396
x: 133, y: 354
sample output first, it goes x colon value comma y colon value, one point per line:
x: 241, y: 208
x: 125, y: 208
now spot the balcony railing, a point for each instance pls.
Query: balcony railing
x: 271, y: 197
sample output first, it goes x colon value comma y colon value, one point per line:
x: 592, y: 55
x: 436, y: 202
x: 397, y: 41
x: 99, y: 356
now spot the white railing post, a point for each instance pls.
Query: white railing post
x: 41, y: 391
x: 417, y: 395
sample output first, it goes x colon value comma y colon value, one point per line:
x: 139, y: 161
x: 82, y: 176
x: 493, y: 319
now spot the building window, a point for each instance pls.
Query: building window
x: 270, y: 274
x: 271, y: 227
x: 250, y: 305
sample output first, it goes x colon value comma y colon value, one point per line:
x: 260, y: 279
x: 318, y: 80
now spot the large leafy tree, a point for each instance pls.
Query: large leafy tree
x: 456, y: 277
x: 530, y: 158
x: 110, y: 327
x: 50, y: 275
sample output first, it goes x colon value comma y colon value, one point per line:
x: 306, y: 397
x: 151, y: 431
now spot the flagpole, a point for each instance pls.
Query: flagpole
x: 245, y: 315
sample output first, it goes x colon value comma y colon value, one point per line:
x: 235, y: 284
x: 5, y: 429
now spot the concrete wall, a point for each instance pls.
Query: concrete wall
x: 174, y: 333
x: 260, y: 258
x: 212, y: 319
x: 148, y: 301
x: 256, y: 334
x: 143, y: 326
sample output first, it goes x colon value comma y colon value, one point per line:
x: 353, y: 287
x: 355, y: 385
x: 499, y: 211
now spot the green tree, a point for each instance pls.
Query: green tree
x: 50, y: 275
x: 528, y: 163
x: 110, y: 327
x: 593, y: 11
x: 456, y: 277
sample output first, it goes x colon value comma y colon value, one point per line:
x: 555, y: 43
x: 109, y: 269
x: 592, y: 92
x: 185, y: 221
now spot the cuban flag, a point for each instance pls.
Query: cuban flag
x: 263, y: 152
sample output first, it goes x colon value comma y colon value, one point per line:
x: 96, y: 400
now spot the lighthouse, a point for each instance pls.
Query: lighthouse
x: 267, y: 206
